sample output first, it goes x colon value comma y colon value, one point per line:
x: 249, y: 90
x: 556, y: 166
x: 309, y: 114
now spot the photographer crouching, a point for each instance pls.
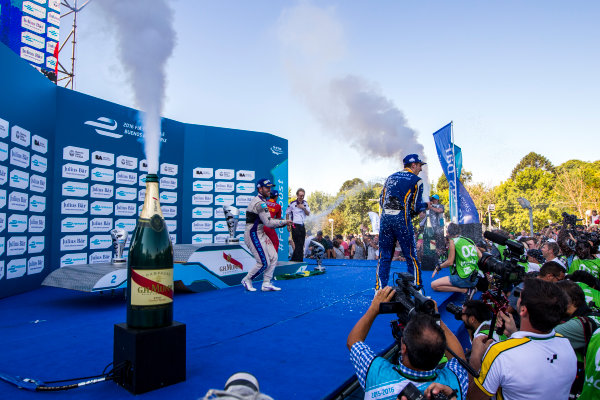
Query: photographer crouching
x: 422, y: 345
x: 534, y: 363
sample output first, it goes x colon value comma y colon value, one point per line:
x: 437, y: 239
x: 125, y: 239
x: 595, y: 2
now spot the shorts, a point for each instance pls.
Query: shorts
x: 463, y: 283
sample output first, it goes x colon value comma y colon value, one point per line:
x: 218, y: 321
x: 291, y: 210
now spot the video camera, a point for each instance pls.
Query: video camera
x: 570, y: 224
x: 507, y: 271
x: 411, y: 392
x: 407, y: 302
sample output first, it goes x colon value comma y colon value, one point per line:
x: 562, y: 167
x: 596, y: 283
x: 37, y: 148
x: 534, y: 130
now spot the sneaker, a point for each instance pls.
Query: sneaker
x: 470, y: 293
x: 247, y: 284
x: 268, y: 287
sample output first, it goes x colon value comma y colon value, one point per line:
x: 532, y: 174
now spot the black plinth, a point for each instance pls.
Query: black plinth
x: 155, y: 357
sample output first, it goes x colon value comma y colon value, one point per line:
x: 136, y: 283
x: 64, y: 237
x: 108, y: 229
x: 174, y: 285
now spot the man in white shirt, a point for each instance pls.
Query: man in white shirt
x: 534, y: 363
x: 297, y: 212
x: 550, y: 251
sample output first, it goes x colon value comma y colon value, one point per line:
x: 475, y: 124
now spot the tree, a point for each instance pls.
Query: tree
x: 349, y: 184
x: 534, y: 160
x: 578, y: 186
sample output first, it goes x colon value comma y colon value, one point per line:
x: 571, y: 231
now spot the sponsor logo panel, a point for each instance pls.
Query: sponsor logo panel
x: 33, y: 40
x: 101, y: 208
x: 102, y: 158
x: 32, y: 55
x: 125, y: 209
x: 126, y: 178
x: 224, y: 174
x: 171, y: 224
x: 2, y: 245
x: 142, y: 180
x: 243, y: 201
x: 173, y: 238
x: 18, y: 201
x: 36, y: 244
x: 17, y: 223
x: 37, y: 204
x: 168, y: 197
x: 2, y: 198
x: 16, y: 245
x: 18, y: 157
x: 100, y: 242
x: 100, y: 191
x: 37, y: 183
x: 101, y: 257
x: 224, y: 200
x: 202, y: 199
x: 141, y: 194
x: 39, y: 163
x: 54, y: 18
x: 219, y: 213
x: 125, y: 193
x: 168, y: 183
x: 37, y: 223
x: 221, y: 238
x: 72, y: 225
x: 203, y: 173
x: 16, y: 268
x: 73, y: 242
x: 127, y: 162
x: 202, y: 226
x: 203, y: 186
x: 143, y: 165
x: 126, y: 223
x: 221, y: 226
x: 73, y: 206
x: 53, y: 33
x: 3, y: 174
x: 103, y: 174
x: 33, y: 24
x: 244, y: 187
x: 3, y: 151
x: 79, y: 154
x: 169, y: 211
x: 168, y: 169
x: 245, y: 175
x: 35, y: 10
x: 2, y: 222
x: 35, y: 265
x: 75, y: 189
x: 202, y: 212
x: 73, y: 259
x: 19, y: 179
x: 202, y: 238
x: 101, y: 224
x: 226, y: 187
x: 75, y: 171
x: 39, y: 144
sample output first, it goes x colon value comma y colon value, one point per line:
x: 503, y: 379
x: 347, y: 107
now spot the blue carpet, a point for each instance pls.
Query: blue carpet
x: 293, y: 341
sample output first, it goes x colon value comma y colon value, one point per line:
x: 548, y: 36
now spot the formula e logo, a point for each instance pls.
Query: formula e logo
x: 126, y: 223
x: 16, y: 268
x: 101, y: 208
x: 37, y: 204
x: 202, y: 238
x: 36, y: 244
x: 74, y: 225
x: 105, y: 126
x: 39, y: 163
x: 73, y: 259
x: 171, y: 224
x: 224, y: 200
x: 202, y: 212
x: 168, y: 197
x: 100, y: 242
x: 276, y: 150
x: 17, y: 223
x: 244, y: 187
x: 221, y: 226
x: 76, y: 189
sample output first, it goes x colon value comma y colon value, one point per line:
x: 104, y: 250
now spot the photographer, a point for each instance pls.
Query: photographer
x: 534, y: 363
x: 589, y: 285
x: 463, y: 256
x: 477, y: 318
x: 550, y: 251
x: 422, y: 346
x: 578, y: 329
x: 584, y: 260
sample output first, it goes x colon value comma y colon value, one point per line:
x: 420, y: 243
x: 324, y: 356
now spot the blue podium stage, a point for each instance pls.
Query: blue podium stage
x: 293, y: 341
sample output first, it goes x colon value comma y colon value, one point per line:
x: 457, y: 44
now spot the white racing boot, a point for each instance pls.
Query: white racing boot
x: 268, y: 287
x: 247, y: 284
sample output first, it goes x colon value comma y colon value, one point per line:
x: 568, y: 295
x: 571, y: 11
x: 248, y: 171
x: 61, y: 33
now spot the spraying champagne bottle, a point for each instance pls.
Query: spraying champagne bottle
x: 150, y: 266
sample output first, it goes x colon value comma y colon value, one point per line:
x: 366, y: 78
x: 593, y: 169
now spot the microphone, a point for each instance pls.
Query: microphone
x: 495, y: 237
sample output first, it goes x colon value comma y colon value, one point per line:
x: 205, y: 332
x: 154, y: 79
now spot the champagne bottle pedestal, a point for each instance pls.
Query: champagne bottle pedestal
x: 155, y: 357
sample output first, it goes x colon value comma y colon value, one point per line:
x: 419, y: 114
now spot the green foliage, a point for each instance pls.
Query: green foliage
x: 534, y: 160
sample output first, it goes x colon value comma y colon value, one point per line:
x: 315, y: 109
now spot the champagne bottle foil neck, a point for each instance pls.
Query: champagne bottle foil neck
x: 151, y: 201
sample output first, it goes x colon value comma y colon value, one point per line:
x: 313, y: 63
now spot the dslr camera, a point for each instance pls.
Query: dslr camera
x: 408, y: 301
x: 508, y: 271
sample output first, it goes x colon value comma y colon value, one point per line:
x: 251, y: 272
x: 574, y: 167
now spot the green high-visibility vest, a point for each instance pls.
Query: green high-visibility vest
x: 591, y: 266
x: 465, y: 257
x: 590, y: 294
x: 591, y: 384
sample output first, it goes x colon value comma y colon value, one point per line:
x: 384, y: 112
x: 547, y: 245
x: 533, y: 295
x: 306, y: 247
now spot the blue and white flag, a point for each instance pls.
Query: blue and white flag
x: 465, y: 213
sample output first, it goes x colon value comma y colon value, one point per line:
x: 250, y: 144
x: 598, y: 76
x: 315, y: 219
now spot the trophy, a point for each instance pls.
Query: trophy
x: 119, y: 239
x: 318, y: 252
x: 232, y: 216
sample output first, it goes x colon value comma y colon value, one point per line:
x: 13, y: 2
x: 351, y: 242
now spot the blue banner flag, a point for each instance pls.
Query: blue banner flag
x: 465, y: 213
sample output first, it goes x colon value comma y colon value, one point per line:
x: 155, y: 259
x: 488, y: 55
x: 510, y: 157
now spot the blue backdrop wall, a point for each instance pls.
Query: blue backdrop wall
x: 72, y: 167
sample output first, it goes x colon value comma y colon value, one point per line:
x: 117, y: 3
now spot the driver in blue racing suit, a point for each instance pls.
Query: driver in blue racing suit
x: 401, y: 199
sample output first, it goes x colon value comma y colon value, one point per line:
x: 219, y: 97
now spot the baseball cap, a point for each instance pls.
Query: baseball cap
x: 274, y: 193
x: 435, y: 196
x: 264, y: 183
x: 412, y: 158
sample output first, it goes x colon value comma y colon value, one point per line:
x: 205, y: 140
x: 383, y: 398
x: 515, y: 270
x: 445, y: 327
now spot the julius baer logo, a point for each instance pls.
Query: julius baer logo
x: 109, y: 127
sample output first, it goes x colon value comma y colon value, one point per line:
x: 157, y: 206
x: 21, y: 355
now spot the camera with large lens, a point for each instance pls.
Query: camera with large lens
x: 508, y: 271
x: 407, y: 302
x: 411, y: 392
x: 455, y: 310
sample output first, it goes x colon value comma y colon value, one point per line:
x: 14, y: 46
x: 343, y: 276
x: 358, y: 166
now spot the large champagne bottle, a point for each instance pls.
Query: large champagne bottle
x: 150, y: 266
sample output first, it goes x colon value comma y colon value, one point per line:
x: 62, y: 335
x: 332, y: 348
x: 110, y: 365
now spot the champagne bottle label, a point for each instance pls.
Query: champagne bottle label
x: 151, y: 287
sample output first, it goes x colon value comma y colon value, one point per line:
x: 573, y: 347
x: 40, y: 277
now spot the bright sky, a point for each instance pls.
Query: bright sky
x: 514, y: 76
